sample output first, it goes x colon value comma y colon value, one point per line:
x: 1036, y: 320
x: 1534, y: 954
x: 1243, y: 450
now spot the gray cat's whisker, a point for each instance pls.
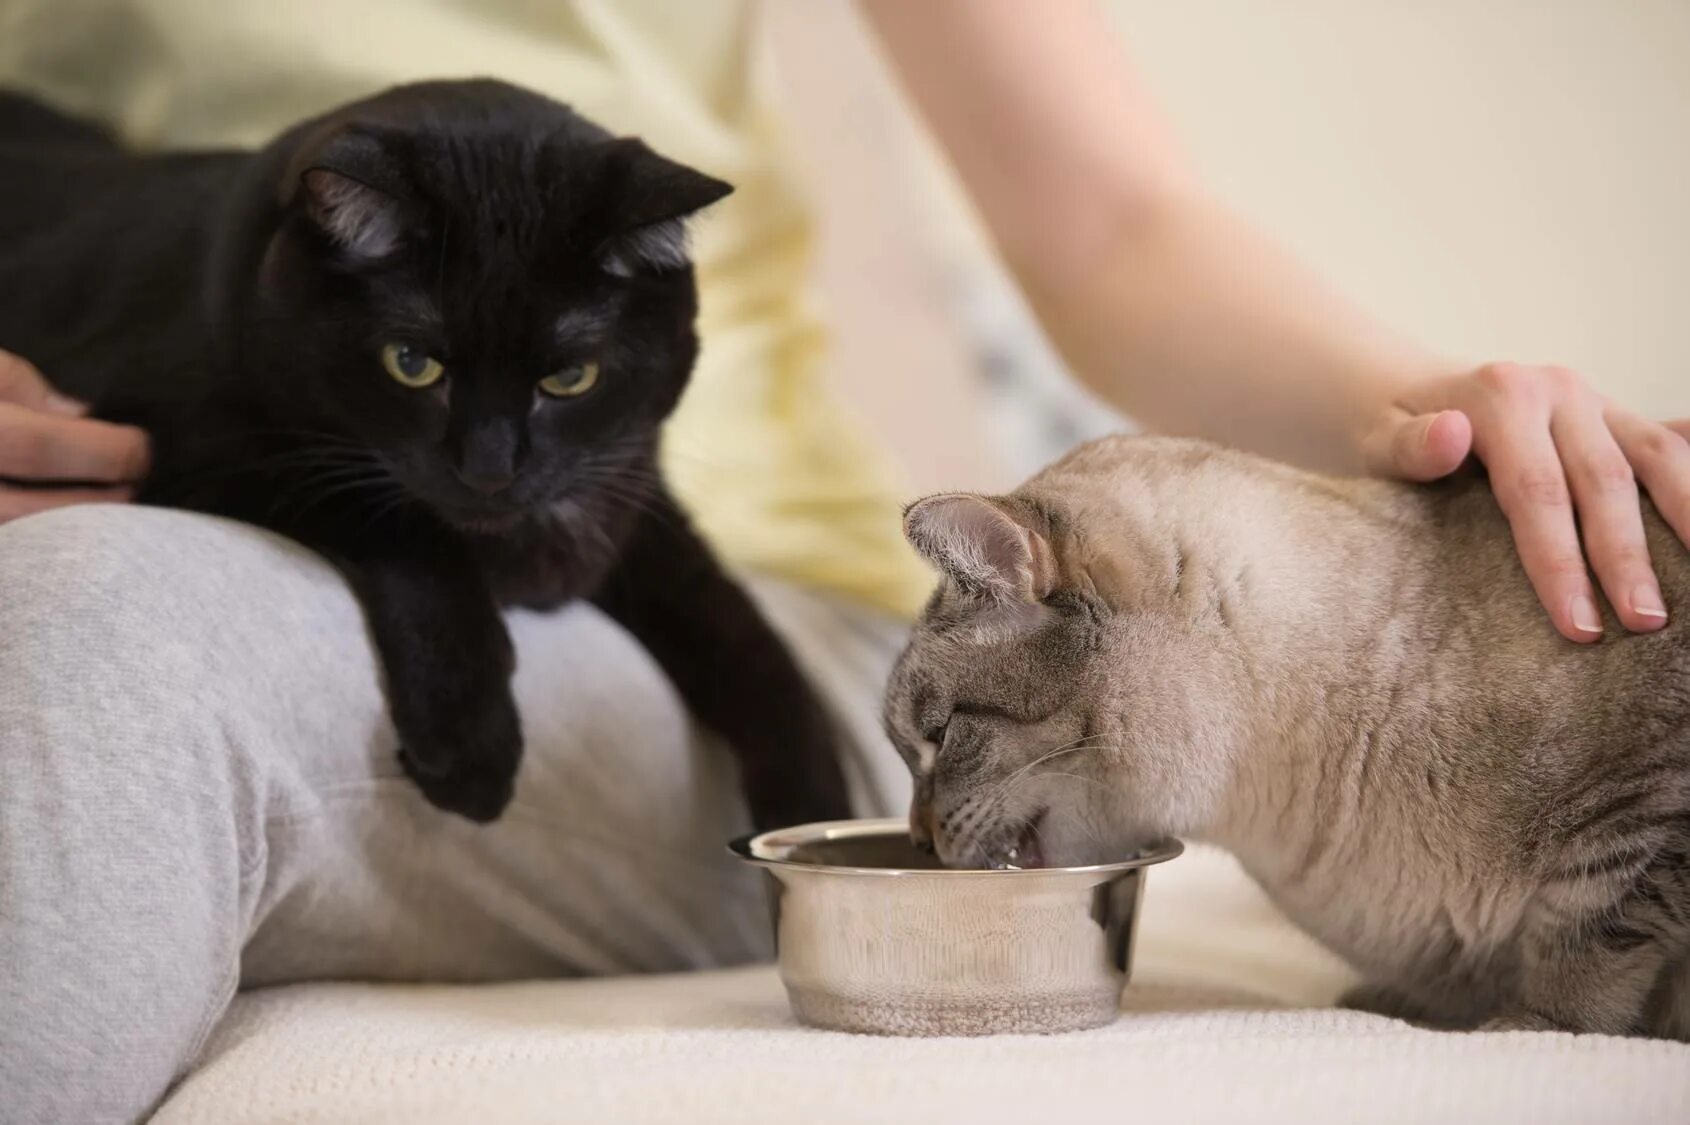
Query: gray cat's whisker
x: 1073, y: 747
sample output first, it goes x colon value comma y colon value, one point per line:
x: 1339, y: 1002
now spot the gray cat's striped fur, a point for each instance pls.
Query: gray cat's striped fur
x: 1348, y: 684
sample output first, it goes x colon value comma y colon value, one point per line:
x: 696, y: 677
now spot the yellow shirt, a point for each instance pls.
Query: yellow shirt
x: 776, y: 475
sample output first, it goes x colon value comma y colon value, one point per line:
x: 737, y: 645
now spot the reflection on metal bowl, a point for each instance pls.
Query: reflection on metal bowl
x: 874, y: 936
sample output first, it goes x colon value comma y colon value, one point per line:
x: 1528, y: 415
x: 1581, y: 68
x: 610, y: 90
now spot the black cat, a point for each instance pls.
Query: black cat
x: 431, y: 335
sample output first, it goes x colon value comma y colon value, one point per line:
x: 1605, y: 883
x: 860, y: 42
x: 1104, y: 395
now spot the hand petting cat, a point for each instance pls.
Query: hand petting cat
x: 1555, y: 449
x: 51, y: 456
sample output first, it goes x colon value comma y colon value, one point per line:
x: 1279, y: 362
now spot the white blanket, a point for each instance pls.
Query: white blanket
x: 1219, y: 1026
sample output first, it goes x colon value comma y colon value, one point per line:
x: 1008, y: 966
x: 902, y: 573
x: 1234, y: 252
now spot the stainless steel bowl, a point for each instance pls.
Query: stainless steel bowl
x: 874, y: 936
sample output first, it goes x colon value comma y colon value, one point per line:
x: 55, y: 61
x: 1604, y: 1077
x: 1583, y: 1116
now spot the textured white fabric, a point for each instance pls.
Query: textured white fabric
x: 1212, y: 1032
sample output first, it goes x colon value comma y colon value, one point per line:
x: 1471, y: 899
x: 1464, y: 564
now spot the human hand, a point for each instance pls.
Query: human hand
x: 44, y: 438
x: 1554, y: 448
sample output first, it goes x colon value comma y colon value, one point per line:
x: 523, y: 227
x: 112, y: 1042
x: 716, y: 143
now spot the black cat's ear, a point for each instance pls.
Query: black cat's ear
x: 653, y: 196
x: 361, y: 220
x: 347, y: 190
x: 983, y: 548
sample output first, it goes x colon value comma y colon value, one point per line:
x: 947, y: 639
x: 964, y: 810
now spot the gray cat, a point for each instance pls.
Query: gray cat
x: 1349, y: 685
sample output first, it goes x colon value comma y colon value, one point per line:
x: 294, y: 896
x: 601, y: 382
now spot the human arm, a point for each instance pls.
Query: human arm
x: 1175, y: 310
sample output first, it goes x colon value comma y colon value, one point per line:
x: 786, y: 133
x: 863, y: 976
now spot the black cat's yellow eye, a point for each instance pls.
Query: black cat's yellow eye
x: 411, y: 366
x: 571, y: 381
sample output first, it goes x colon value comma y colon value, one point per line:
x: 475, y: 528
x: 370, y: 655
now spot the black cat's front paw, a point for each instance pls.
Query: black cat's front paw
x: 792, y: 773
x: 791, y: 798
x: 785, y: 811
x: 467, y: 767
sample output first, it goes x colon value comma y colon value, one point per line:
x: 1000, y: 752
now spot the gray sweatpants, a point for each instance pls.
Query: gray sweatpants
x: 199, y: 792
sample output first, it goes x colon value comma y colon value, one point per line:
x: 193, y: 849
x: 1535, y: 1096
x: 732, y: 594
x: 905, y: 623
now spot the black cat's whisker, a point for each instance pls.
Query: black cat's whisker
x: 294, y: 464
x: 305, y: 439
x: 662, y: 513
x: 643, y: 496
x: 296, y: 433
x: 314, y: 476
x: 318, y: 496
x: 398, y: 500
x: 611, y: 469
x: 385, y: 498
x: 298, y: 459
x: 308, y: 485
x: 615, y: 489
x: 635, y: 493
x: 304, y: 472
x: 628, y: 467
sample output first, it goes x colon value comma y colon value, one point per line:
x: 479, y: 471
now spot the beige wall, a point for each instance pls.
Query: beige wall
x: 1503, y: 178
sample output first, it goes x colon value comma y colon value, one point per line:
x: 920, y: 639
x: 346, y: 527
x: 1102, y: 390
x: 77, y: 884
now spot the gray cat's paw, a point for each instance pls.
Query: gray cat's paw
x: 1520, y: 1021
x: 1381, y: 1000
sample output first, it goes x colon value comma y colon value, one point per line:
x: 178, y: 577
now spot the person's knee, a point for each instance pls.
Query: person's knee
x: 96, y: 598
x: 134, y: 640
x: 73, y: 595
x: 100, y: 598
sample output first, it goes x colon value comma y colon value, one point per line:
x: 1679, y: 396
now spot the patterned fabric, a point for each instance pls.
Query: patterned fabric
x: 1036, y: 409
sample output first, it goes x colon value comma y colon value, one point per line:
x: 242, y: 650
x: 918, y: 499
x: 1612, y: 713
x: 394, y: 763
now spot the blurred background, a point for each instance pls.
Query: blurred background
x: 1507, y: 179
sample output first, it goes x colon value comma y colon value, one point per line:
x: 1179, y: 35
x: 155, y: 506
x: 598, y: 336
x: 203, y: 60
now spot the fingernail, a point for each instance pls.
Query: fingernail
x: 1585, y: 617
x: 1646, y: 602
x: 61, y: 404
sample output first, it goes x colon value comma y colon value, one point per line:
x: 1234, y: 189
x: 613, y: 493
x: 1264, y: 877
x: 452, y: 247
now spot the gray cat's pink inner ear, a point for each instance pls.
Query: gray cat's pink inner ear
x: 360, y: 219
x: 982, y: 547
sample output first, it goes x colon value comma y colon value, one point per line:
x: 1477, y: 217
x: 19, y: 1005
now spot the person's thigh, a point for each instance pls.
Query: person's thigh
x: 195, y: 760
x: 609, y: 859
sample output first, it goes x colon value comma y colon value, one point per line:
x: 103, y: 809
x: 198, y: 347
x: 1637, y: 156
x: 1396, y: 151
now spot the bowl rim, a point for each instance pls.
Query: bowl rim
x: 752, y: 845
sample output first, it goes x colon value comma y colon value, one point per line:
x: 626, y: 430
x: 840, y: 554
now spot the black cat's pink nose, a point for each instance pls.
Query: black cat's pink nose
x: 488, y: 482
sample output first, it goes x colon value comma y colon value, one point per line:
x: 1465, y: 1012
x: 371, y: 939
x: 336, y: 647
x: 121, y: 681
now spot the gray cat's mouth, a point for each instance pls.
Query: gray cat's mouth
x: 1022, y: 850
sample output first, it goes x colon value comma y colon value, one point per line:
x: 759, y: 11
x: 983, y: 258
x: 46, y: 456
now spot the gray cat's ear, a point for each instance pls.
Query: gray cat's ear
x: 654, y: 197
x: 982, y: 546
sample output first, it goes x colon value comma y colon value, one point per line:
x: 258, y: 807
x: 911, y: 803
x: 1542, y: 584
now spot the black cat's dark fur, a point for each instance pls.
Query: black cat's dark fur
x: 236, y: 306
